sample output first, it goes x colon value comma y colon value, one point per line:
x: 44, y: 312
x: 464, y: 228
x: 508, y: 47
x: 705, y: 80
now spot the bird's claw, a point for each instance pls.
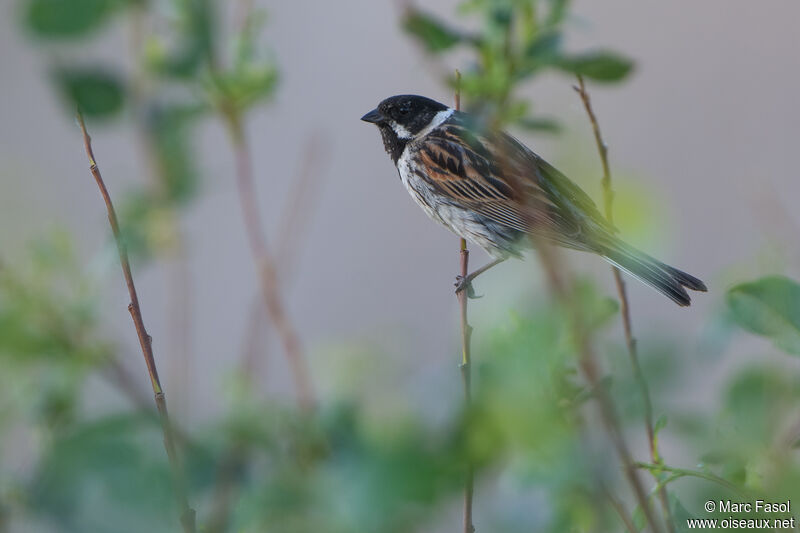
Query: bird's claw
x: 464, y: 283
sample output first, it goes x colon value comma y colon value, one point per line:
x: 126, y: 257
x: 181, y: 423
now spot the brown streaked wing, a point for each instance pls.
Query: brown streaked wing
x: 463, y: 166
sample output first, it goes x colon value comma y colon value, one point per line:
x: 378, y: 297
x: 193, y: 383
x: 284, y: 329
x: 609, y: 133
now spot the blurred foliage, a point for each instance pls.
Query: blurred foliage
x: 68, y: 19
x: 48, y: 337
x: 261, y: 466
x: 769, y: 307
x: 182, y: 74
x: 340, y: 469
x: 95, y: 92
x: 516, y: 41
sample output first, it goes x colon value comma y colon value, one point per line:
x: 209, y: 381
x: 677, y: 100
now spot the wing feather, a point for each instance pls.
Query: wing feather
x: 501, y: 179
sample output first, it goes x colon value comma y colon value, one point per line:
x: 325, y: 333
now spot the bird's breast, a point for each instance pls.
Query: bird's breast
x: 421, y: 191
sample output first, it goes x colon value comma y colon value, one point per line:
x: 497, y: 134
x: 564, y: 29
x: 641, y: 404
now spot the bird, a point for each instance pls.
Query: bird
x: 490, y: 189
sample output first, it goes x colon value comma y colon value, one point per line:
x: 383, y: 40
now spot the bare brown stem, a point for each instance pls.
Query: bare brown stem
x: 466, y: 378
x: 145, y: 341
x: 630, y: 340
x: 466, y: 353
x: 265, y: 264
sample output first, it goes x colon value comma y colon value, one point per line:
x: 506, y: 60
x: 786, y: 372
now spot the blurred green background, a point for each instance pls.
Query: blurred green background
x: 697, y: 104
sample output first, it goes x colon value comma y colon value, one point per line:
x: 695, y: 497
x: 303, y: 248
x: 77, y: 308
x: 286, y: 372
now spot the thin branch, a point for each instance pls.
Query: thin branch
x: 266, y: 265
x: 466, y: 354
x: 145, y: 341
x: 625, y: 310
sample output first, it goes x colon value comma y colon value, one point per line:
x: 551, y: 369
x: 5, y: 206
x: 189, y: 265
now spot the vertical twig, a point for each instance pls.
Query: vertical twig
x: 145, y: 341
x: 265, y: 264
x: 630, y: 340
x: 466, y: 356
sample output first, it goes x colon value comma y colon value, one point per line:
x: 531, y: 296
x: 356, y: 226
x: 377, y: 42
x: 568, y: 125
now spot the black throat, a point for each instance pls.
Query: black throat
x: 393, y: 144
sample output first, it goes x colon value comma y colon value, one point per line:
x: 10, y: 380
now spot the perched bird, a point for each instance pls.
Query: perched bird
x: 490, y: 189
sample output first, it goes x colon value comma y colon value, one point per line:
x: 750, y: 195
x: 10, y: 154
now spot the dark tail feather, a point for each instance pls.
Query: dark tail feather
x: 668, y: 280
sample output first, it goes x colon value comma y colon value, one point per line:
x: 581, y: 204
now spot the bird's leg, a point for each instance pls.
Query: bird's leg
x: 466, y: 282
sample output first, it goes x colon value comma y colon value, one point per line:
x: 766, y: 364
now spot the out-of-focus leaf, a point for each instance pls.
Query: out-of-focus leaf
x: 639, y: 520
x: 169, y: 128
x: 769, y: 307
x: 558, y: 10
x: 542, y: 52
x: 760, y: 392
x: 596, y: 310
x: 680, y: 514
x: 251, y: 79
x: 244, y: 87
x: 106, y: 475
x: 600, y: 65
x: 756, y: 402
x: 247, y: 39
x: 545, y: 47
x: 431, y: 32
x: 58, y: 19
x: 501, y: 15
x: 193, y: 33
x: 542, y: 124
x: 47, y: 309
x: 660, y: 424
x: 47, y: 335
x: 96, y: 92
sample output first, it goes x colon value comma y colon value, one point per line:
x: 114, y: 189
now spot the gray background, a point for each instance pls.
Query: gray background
x: 707, y: 131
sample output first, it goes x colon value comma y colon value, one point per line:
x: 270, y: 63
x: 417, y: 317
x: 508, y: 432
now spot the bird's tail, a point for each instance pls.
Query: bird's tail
x: 667, y: 280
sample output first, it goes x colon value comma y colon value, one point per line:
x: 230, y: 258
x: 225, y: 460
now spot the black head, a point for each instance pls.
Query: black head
x: 402, y: 118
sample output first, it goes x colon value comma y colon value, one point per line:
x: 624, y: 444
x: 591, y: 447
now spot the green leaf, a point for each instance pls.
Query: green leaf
x: 541, y: 52
x: 191, y: 41
x: 639, y: 520
x: 544, y: 46
x: 433, y: 34
x: 95, y: 92
x: 661, y: 423
x: 59, y: 19
x: 169, y: 128
x: 598, y: 65
x: 769, y: 307
x: 244, y: 87
x: 105, y: 475
x: 541, y: 124
x: 680, y: 515
x: 558, y: 11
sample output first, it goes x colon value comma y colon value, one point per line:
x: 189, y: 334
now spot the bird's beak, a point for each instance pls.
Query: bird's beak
x: 373, y: 116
